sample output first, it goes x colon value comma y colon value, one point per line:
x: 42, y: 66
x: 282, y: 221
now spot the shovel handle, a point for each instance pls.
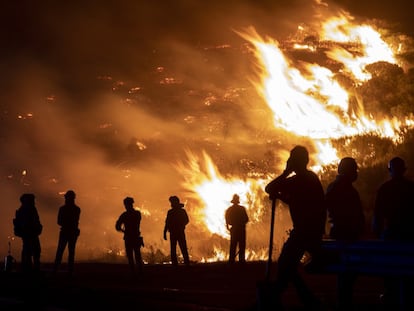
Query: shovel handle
x: 272, y: 226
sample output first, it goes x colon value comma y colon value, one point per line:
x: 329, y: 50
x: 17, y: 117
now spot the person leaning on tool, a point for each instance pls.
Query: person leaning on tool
x: 304, y: 194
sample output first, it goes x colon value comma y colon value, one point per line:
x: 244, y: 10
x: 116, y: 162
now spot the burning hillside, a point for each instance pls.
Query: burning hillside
x: 205, y: 121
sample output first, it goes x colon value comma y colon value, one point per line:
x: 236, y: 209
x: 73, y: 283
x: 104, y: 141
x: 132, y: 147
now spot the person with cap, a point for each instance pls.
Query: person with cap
x: 68, y: 220
x: 346, y: 219
x: 27, y: 225
x: 302, y: 191
x: 129, y: 223
x: 236, y: 220
x: 393, y: 221
x: 175, y: 224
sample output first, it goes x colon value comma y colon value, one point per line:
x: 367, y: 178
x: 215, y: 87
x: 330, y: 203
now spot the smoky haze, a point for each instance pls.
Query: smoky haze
x: 105, y: 99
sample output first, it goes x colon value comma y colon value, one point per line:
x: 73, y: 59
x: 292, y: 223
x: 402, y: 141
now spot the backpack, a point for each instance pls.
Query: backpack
x: 17, y: 227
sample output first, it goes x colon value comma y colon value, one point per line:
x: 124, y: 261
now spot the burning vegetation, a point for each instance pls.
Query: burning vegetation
x: 207, y: 121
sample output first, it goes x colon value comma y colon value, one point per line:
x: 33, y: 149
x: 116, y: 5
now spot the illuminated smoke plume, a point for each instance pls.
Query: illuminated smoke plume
x: 113, y: 105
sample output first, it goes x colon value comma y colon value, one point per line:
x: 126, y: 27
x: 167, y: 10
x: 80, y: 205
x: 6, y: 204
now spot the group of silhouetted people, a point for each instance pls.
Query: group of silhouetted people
x: 175, y: 223
x: 340, y: 206
x: 311, y: 209
x: 28, y: 227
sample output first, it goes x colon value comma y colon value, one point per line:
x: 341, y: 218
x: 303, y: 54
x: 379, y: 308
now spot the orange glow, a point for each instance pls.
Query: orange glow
x: 215, y: 191
x: 371, y: 47
x: 306, y: 100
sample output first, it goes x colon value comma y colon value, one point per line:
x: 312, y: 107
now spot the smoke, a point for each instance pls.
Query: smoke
x: 105, y: 99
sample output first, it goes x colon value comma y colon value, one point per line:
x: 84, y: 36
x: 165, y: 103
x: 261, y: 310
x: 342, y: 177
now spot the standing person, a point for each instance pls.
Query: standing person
x: 129, y: 223
x: 347, y: 220
x: 68, y: 220
x: 393, y: 221
x: 27, y: 225
x: 175, y: 223
x: 304, y: 194
x: 236, y: 220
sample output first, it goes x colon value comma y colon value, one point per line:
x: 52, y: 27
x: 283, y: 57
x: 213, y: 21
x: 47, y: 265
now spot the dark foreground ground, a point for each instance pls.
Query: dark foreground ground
x: 207, y: 287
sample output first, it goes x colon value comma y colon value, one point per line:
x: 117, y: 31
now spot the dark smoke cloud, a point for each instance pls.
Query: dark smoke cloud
x: 91, y: 80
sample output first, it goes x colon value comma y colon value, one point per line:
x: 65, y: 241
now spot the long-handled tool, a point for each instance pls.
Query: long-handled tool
x: 272, y: 228
x: 265, y: 290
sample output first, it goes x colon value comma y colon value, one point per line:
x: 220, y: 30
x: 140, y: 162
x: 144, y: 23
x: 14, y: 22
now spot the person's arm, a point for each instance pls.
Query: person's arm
x: 246, y: 217
x: 118, y: 224
x: 227, y: 219
x: 274, y: 187
x: 187, y: 220
x: 165, y: 228
x: 59, y: 217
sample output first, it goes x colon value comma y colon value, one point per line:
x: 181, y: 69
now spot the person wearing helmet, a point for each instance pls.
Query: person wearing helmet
x: 393, y: 221
x: 68, y: 220
x: 302, y: 191
x: 129, y: 223
x: 236, y: 220
x: 347, y: 220
x: 175, y: 224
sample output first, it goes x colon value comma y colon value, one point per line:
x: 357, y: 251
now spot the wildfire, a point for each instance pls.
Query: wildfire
x: 306, y: 100
x: 215, y: 191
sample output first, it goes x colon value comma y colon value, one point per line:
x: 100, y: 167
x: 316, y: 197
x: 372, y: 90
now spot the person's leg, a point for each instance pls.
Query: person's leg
x: 288, y: 263
x: 26, y: 255
x: 138, y: 258
x: 71, y: 252
x: 242, y: 247
x: 173, y: 249
x: 59, y: 251
x: 130, y: 255
x: 36, y: 250
x: 184, y: 251
x: 232, y: 251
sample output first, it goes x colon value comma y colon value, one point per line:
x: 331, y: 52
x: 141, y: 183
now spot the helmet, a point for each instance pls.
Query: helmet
x: 236, y: 199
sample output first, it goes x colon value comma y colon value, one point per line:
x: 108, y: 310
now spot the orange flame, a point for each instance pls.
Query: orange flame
x: 215, y: 191
x: 306, y: 100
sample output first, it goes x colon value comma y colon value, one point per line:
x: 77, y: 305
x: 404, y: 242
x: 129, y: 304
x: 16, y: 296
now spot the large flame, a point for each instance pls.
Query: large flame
x: 306, y: 100
x: 215, y: 191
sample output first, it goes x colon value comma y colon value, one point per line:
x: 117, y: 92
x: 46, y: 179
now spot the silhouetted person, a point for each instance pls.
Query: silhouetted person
x: 68, y: 220
x: 27, y: 225
x: 236, y: 220
x: 304, y: 194
x: 347, y: 220
x: 129, y: 223
x: 175, y: 223
x: 393, y: 221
